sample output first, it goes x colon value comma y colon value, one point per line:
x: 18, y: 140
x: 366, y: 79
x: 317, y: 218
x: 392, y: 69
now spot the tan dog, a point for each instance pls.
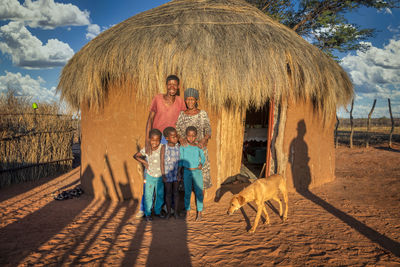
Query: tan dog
x: 260, y: 191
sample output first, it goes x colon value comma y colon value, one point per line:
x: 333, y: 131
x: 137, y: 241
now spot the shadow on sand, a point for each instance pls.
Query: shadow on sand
x: 299, y: 160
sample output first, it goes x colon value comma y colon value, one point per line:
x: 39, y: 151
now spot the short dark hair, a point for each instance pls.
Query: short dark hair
x: 191, y: 129
x: 167, y: 131
x: 155, y: 131
x: 172, y: 77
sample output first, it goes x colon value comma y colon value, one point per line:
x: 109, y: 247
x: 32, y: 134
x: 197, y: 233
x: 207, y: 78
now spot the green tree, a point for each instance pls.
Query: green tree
x: 324, y: 21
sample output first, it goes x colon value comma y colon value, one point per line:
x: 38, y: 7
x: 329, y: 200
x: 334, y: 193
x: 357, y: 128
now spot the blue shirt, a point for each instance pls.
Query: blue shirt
x: 191, y: 156
x: 171, y: 160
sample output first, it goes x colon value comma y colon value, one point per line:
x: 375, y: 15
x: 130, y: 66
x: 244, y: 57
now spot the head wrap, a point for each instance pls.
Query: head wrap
x: 191, y: 92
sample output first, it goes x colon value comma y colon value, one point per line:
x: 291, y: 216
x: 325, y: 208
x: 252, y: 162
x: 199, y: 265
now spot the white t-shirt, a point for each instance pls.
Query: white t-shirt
x: 154, y: 161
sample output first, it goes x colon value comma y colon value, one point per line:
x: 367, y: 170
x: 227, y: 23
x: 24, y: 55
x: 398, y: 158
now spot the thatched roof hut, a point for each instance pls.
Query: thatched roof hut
x: 233, y: 53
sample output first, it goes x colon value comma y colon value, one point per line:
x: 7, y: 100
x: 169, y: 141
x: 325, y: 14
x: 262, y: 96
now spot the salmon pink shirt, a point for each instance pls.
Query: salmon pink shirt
x: 166, y: 115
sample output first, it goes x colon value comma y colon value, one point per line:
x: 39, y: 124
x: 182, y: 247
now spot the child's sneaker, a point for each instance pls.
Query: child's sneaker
x: 140, y: 214
x: 148, y: 219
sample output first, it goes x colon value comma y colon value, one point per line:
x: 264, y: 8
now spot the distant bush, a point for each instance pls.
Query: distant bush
x: 33, y: 143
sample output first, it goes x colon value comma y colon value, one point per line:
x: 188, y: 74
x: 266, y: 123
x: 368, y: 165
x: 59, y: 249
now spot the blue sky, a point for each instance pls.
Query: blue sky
x: 37, y: 37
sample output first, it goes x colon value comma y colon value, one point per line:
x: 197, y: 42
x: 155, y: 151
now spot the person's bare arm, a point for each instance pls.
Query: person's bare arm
x: 139, y: 157
x: 149, y: 126
x: 163, y: 163
x: 203, y: 142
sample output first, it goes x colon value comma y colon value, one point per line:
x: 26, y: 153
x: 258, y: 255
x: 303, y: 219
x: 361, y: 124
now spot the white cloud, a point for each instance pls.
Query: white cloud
x: 27, y: 86
x: 375, y: 69
x: 44, y: 14
x: 92, y: 31
x: 28, y: 51
x: 376, y: 75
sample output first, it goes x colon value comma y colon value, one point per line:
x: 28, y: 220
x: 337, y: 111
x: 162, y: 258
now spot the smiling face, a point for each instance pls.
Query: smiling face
x: 154, y: 141
x: 172, y: 87
x: 190, y: 102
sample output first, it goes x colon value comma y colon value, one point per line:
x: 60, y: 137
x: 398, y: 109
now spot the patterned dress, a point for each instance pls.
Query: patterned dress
x: 171, y: 160
x: 202, y: 123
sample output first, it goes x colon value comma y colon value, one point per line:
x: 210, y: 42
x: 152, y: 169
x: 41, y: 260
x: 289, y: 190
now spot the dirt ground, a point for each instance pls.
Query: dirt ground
x: 354, y: 220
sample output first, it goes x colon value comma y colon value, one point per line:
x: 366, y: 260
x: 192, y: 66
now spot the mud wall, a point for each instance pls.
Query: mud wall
x: 110, y: 136
x: 309, y: 147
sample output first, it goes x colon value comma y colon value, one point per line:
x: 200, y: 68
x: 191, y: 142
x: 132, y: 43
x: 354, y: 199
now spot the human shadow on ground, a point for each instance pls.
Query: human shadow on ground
x: 299, y: 159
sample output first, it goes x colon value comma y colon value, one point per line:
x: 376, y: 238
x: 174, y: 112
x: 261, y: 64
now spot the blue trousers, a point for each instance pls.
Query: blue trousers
x: 153, y: 184
x: 195, y: 178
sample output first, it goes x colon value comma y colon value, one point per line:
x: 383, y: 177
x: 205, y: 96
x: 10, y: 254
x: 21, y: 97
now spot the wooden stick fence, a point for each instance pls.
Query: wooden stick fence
x: 36, y: 146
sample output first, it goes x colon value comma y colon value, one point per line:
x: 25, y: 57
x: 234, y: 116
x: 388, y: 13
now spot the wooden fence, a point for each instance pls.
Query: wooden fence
x: 34, y: 145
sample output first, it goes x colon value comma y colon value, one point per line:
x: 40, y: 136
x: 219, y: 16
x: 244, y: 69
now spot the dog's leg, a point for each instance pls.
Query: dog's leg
x: 259, y: 210
x: 266, y: 215
x: 280, y: 205
x: 282, y: 187
x: 285, y: 198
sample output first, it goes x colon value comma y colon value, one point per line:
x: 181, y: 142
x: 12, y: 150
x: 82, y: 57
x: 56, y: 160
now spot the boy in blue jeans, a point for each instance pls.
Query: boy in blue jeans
x: 191, y: 161
x: 154, y: 180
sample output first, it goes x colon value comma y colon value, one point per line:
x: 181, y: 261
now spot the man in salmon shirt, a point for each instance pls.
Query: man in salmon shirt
x: 165, y: 109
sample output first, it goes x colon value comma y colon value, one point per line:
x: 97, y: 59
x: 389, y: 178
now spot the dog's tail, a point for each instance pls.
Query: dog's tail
x: 283, y: 189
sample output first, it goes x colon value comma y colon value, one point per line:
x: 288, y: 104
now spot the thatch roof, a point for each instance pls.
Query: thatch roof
x: 228, y: 49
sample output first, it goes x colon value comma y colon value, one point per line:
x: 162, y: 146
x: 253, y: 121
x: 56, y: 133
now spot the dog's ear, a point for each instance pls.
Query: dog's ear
x: 241, y: 200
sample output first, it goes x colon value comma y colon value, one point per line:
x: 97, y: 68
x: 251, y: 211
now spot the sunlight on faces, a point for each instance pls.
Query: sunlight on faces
x: 172, y: 87
x: 172, y: 137
x: 191, y: 137
x: 190, y: 102
x: 155, y: 141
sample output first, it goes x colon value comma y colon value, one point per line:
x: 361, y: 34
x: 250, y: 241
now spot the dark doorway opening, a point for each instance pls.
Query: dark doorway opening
x: 255, y: 139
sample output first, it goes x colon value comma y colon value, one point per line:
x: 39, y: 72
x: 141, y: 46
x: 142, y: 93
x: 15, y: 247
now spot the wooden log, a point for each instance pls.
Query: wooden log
x: 336, y: 132
x: 369, y: 123
x: 392, y: 120
x: 351, y: 124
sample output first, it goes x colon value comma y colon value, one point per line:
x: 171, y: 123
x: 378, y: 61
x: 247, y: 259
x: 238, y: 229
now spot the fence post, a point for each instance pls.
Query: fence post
x: 351, y: 124
x: 336, y: 132
x: 369, y: 122
x: 391, y: 118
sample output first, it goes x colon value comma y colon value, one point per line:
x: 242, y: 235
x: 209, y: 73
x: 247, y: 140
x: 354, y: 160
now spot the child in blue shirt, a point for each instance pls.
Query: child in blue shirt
x: 191, y: 161
x: 170, y: 154
x: 154, y: 180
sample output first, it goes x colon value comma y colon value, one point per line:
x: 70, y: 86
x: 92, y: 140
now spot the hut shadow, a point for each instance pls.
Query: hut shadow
x: 34, y: 230
x: 299, y: 159
x: 31, y: 185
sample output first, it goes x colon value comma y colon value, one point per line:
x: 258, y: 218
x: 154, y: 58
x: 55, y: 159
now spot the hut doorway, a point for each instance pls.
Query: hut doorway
x: 255, y: 139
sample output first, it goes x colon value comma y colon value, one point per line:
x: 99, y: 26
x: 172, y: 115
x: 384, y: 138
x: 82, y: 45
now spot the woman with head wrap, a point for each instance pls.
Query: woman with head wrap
x: 193, y: 116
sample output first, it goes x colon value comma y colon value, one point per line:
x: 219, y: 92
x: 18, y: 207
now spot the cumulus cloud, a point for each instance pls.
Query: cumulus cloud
x: 27, y: 86
x: 44, y: 14
x: 92, y: 31
x: 375, y: 70
x: 28, y: 51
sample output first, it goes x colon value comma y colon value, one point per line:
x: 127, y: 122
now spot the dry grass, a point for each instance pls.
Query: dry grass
x: 229, y: 50
x: 28, y: 138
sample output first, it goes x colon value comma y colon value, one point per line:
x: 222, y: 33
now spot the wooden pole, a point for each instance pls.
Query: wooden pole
x: 270, y: 128
x: 351, y: 124
x: 369, y: 123
x: 391, y: 118
x: 336, y: 132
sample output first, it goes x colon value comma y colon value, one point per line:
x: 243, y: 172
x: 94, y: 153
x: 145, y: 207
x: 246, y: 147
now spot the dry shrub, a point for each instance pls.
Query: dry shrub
x: 33, y: 143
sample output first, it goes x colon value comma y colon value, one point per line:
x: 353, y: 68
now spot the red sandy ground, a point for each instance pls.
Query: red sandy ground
x: 354, y: 220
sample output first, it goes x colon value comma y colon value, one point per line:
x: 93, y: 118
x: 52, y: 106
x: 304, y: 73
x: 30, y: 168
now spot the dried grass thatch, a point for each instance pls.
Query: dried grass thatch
x: 228, y: 49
